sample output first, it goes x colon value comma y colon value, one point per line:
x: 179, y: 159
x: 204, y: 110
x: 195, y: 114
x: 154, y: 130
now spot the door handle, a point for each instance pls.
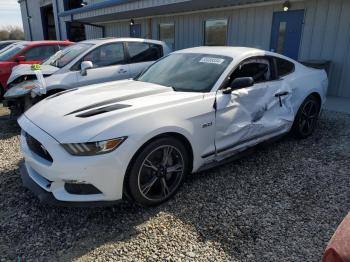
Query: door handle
x: 280, y: 95
x: 122, y: 71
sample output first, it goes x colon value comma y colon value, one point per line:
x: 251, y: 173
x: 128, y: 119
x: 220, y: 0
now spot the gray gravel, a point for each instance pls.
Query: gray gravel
x: 281, y: 203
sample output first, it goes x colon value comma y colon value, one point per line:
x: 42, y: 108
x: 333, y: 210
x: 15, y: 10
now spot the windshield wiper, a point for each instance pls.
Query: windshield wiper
x: 172, y: 87
x: 137, y: 79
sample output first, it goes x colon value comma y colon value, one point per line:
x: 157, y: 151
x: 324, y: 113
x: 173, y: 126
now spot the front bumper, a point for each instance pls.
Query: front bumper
x: 48, y: 179
x: 48, y: 198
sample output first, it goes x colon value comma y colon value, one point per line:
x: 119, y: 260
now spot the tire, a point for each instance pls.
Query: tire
x: 150, y: 181
x: 306, y: 119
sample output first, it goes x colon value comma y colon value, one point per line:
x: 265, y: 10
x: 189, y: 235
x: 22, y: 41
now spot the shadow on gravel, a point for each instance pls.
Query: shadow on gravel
x: 32, y: 230
x: 8, y: 127
x: 281, y: 203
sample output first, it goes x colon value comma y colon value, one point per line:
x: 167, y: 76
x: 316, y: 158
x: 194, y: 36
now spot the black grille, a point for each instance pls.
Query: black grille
x: 36, y: 147
x: 81, y: 189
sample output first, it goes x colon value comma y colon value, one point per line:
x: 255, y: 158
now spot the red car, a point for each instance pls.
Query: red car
x: 23, y: 52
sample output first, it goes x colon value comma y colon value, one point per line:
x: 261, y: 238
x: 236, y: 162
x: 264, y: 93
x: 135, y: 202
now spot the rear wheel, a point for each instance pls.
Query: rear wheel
x: 158, y: 171
x: 306, y: 118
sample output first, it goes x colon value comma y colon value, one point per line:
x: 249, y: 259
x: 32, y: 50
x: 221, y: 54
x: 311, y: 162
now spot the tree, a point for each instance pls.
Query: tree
x: 11, y: 33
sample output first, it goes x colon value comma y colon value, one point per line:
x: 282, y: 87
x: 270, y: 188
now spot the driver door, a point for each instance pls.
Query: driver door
x: 109, y: 64
x: 252, y: 114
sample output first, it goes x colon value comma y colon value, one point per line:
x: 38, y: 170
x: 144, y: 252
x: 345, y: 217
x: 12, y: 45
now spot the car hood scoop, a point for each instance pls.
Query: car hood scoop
x: 102, y: 110
x: 118, y: 99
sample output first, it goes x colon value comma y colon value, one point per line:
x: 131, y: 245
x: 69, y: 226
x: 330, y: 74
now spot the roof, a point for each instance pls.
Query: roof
x: 91, y: 7
x: 236, y: 52
x: 9, y: 41
x: 47, y: 42
x: 44, y: 42
x: 124, y: 39
x: 125, y: 9
x: 229, y: 51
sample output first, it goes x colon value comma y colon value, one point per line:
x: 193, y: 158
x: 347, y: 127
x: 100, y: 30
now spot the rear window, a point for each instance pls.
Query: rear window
x: 144, y: 52
x: 284, y: 67
x: 40, y: 52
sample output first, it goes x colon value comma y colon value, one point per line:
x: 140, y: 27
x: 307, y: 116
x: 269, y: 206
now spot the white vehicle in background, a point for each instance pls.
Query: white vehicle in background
x: 84, y: 63
x: 187, y: 112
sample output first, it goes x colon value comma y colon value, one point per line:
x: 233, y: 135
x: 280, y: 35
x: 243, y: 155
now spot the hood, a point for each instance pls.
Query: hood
x: 25, y: 69
x: 76, y: 116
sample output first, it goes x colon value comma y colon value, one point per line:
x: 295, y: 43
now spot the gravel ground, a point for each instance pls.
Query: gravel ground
x: 281, y: 203
x: 3, y: 111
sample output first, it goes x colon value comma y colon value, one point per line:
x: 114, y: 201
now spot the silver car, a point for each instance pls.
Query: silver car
x: 85, y: 63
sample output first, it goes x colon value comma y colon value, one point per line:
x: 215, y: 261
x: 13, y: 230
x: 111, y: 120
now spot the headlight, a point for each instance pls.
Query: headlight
x: 94, y: 148
x: 19, y: 90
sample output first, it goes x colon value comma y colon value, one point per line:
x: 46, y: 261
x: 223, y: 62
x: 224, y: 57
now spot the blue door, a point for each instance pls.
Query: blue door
x: 135, y: 30
x: 286, y: 32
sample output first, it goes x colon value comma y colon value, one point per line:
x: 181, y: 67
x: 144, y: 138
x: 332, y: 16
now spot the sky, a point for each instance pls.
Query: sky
x: 10, y: 13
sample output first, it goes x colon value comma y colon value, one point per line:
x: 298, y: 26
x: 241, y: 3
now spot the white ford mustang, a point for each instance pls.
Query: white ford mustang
x: 187, y: 112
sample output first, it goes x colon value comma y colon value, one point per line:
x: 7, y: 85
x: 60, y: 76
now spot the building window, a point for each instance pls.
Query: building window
x: 281, y: 37
x: 215, y: 32
x: 72, y: 4
x: 48, y: 22
x: 167, y: 34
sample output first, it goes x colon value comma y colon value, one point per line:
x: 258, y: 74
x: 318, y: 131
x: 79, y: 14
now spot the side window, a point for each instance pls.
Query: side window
x: 61, y: 47
x: 284, y: 67
x: 143, y: 52
x: 106, y: 55
x: 258, y: 68
x: 40, y: 52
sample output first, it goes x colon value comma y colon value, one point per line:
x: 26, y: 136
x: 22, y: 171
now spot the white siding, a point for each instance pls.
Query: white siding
x: 327, y: 36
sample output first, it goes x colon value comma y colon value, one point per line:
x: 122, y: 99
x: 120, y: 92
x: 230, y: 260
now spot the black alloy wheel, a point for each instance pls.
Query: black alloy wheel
x: 158, y: 171
x: 306, y: 119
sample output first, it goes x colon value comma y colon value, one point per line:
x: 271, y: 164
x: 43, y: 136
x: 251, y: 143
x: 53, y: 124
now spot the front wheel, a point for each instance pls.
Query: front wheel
x: 158, y: 171
x: 306, y: 118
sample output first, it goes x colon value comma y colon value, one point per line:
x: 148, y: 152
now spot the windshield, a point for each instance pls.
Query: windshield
x: 65, y: 56
x: 188, y: 72
x: 11, y: 51
x: 3, y: 45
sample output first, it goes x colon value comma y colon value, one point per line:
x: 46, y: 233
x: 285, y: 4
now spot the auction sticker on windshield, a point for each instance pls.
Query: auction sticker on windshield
x: 212, y: 60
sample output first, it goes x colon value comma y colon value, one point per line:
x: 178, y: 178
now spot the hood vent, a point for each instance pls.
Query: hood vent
x: 119, y: 99
x: 61, y: 93
x: 102, y: 110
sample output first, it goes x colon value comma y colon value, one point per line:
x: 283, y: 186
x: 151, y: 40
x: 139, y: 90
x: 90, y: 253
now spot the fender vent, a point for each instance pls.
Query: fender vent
x: 81, y: 189
x: 102, y: 110
x: 36, y: 147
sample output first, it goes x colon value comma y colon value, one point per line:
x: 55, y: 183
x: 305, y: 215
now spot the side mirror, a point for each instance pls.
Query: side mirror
x: 238, y: 83
x: 21, y: 58
x: 242, y: 82
x: 85, y: 65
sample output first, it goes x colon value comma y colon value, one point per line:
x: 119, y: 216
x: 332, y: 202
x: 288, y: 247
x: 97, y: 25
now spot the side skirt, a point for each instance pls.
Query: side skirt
x: 240, y: 154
